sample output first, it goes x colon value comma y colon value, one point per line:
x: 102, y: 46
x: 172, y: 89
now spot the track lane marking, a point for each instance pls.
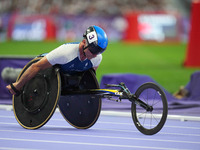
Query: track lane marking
x: 119, y: 123
x: 88, y: 144
x: 116, y: 130
x: 99, y: 136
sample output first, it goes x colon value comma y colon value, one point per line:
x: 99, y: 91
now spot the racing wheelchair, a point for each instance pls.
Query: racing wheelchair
x: 79, y: 100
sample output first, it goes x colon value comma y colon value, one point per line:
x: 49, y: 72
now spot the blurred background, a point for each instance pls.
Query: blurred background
x: 146, y: 37
x: 133, y: 20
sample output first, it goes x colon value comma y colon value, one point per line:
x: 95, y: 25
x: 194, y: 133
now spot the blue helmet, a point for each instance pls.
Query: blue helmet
x: 97, y: 39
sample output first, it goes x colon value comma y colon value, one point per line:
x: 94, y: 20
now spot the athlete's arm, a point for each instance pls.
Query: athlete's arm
x: 30, y: 73
x: 95, y: 68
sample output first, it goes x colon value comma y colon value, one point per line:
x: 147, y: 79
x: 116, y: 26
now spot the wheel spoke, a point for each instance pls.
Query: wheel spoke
x: 144, y: 119
x: 154, y: 97
x: 151, y: 122
x: 155, y: 118
x: 140, y: 115
x: 158, y: 101
x: 147, y: 97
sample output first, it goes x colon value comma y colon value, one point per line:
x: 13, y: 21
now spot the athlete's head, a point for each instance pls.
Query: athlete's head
x: 96, y: 38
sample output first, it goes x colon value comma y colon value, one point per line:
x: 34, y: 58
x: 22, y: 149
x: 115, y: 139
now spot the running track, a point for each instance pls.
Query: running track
x: 109, y: 133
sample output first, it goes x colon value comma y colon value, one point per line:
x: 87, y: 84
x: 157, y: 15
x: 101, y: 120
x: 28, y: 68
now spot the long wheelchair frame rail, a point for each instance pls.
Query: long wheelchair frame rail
x: 121, y: 93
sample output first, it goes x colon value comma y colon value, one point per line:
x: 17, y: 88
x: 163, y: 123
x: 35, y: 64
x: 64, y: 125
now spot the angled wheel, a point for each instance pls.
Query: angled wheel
x: 38, y: 99
x: 82, y: 111
x: 150, y: 122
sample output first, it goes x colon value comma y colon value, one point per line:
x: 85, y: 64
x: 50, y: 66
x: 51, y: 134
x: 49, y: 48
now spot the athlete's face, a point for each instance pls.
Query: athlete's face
x: 87, y: 51
x: 88, y: 54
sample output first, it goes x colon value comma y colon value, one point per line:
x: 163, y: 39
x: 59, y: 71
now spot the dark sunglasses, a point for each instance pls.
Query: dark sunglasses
x: 93, y: 49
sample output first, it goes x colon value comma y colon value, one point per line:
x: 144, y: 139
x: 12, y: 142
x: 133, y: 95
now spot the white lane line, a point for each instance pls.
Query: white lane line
x: 115, y: 130
x: 128, y: 114
x: 15, y: 148
x: 98, y: 136
x: 7, y: 117
x: 120, y: 123
x: 88, y: 144
x: 123, y: 114
x: 136, y: 131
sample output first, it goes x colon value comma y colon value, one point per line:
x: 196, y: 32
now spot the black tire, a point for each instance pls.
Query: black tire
x: 150, y: 122
x: 39, y: 97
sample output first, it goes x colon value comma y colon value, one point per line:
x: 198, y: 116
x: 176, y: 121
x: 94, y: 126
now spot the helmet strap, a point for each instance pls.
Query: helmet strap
x: 84, y: 52
x: 85, y: 46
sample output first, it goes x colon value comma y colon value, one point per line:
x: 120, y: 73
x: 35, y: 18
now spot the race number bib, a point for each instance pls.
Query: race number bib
x: 92, y: 36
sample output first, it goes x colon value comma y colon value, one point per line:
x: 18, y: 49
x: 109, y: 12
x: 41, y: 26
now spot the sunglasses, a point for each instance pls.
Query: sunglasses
x: 93, y: 49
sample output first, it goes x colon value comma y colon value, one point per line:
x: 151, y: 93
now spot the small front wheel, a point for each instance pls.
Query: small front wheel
x: 150, y: 122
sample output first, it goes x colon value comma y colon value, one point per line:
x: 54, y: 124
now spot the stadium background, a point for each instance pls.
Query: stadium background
x: 148, y: 37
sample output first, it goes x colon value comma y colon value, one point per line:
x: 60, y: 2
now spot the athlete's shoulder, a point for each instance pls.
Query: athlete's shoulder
x: 99, y: 57
x: 63, y: 54
x: 96, y: 60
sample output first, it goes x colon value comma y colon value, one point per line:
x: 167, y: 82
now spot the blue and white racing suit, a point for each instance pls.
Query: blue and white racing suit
x: 68, y: 57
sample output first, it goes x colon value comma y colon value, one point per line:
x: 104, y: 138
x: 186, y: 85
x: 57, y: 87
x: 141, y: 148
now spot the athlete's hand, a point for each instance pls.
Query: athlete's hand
x: 10, y: 89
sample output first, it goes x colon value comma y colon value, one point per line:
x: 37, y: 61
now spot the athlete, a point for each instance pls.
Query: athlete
x: 72, y: 57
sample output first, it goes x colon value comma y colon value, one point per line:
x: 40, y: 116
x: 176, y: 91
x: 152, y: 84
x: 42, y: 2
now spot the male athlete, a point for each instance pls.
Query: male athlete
x: 72, y: 57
